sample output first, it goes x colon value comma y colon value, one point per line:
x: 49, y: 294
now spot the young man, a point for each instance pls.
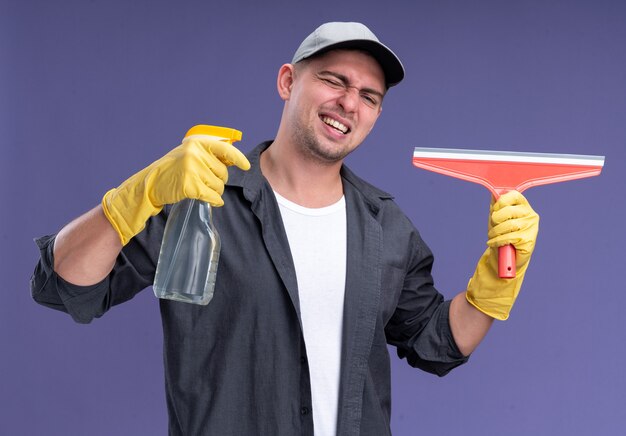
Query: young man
x: 318, y: 272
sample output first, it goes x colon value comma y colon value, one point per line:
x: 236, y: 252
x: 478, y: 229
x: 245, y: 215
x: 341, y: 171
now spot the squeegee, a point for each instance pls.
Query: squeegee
x: 503, y: 171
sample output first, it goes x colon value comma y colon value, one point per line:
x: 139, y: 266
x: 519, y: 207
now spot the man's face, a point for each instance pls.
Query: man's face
x: 334, y: 102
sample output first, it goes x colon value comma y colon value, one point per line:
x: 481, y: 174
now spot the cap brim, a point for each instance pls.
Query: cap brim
x: 389, y: 62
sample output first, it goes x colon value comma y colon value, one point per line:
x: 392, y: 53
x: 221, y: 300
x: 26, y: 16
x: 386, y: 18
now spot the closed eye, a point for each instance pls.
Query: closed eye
x: 332, y: 83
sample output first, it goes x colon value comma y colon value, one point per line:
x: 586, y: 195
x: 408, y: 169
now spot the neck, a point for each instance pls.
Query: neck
x: 303, y: 181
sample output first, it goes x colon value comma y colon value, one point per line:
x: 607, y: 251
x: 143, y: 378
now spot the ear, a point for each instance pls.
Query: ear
x: 284, y: 81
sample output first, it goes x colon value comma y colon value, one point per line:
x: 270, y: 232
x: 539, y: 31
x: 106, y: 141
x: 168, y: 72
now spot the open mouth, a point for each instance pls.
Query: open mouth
x: 335, y: 124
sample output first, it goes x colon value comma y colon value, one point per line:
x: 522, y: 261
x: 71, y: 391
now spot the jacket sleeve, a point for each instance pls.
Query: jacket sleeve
x: 419, y: 327
x: 133, y: 271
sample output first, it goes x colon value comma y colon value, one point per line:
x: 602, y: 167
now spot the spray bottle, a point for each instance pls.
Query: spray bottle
x: 190, y: 250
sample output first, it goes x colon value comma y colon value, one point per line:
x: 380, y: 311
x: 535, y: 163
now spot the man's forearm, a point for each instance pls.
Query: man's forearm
x: 85, y: 250
x: 469, y: 325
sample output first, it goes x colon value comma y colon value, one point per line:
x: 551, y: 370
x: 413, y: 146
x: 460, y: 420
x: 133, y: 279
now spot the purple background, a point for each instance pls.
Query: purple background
x: 92, y: 91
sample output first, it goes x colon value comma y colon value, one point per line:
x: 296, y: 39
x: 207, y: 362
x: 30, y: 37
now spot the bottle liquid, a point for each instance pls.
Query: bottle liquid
x: 190, y: 249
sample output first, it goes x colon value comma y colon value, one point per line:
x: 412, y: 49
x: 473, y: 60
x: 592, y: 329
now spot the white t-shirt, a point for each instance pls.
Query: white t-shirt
x: 318, y: 239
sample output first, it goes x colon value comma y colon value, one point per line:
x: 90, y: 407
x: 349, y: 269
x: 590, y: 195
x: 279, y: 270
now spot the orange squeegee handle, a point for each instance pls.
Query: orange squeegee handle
x: 506, y: 253
x: 506, y: 262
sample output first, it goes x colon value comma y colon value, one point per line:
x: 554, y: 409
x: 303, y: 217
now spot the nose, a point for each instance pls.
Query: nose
x: 349, y: 99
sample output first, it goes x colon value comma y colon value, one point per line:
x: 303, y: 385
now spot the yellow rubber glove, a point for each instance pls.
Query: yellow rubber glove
x: 195, y: 169
x: 511, y: 221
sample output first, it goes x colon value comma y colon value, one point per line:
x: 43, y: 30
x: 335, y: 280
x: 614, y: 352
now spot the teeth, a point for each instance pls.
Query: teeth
x: 336, y: 124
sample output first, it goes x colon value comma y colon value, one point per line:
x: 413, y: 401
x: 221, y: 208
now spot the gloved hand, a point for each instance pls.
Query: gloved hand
x: 511, y: 221
x: 195, y: 169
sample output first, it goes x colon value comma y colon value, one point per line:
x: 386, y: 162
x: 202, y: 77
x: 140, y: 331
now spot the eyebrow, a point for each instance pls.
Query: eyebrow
x: 345, y: 80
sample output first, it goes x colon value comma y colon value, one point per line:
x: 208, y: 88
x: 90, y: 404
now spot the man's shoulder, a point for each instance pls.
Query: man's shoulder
x: 366, y: 188
x: 380, y: 202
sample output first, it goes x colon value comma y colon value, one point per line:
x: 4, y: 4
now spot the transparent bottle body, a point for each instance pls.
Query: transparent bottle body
x: 189, y: 254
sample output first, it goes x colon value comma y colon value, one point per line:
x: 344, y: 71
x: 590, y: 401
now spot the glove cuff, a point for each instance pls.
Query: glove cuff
x: 488, y: 309
x: 127, y: 218
x: 114, y: 217
x: 492, y: 295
